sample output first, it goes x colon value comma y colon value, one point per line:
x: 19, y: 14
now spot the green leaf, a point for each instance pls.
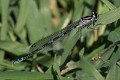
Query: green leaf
x: 5, y: 9
x: 4, y: 4
x: 22, y: 16
x: 109, y: 17
x: 68, y: 47
x: 113, y: 72
x: 24, y: 75
x: 109, y: 4
x: 90, y: 70
x: 38, y: 21
x: 13, y: 47
x: 114, y: 36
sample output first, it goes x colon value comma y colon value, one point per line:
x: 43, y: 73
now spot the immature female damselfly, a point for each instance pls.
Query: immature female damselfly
x: 38, y: 46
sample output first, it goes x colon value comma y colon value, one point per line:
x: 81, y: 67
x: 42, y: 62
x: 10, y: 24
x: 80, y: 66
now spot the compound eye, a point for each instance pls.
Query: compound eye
x: 94, y: 15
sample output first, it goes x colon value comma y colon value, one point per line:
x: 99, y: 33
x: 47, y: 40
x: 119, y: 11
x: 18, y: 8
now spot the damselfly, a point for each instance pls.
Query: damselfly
x: 38, y: 46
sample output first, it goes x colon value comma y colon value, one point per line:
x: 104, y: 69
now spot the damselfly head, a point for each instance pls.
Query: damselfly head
x: 94, y: 16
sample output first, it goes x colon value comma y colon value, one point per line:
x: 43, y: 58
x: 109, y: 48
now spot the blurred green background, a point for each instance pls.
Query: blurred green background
x: 92, y: 55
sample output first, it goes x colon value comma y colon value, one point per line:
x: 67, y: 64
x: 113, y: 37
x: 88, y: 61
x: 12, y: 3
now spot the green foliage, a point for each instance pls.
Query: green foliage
x: 84, y: 55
